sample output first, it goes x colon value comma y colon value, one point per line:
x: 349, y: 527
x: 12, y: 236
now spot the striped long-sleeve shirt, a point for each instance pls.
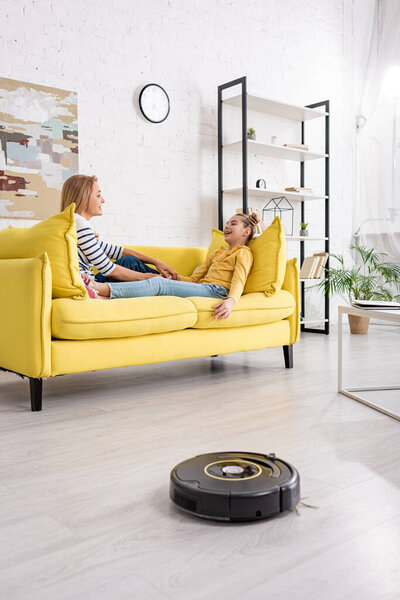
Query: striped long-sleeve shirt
x: 92, y: 252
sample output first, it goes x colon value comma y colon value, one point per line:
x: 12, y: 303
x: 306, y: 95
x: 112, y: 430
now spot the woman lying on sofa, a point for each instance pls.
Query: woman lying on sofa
x: 222, y: 275
x: 84, y: 191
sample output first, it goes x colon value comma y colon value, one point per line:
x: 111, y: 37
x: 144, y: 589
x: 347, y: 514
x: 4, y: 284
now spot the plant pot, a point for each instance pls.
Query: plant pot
x: 358, y: 324
x: 303, y: 232
x: 251, y: 136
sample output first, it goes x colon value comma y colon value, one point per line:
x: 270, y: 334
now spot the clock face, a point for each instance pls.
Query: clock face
x: 154, y: 103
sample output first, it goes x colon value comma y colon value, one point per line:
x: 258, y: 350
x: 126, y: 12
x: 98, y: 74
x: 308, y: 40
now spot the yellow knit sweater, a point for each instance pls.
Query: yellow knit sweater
x: 229, y: 268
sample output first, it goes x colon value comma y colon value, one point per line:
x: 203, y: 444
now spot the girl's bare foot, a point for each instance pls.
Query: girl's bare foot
x: 103, y: 289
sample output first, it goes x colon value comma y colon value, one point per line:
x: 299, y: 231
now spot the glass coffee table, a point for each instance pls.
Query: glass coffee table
x: 392, y: 316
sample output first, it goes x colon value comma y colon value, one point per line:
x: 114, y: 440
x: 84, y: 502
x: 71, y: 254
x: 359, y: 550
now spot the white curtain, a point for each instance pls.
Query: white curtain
x: 377, y: 208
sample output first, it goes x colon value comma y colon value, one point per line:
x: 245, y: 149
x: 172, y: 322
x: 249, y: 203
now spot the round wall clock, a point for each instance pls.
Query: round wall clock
x: 154, y: 103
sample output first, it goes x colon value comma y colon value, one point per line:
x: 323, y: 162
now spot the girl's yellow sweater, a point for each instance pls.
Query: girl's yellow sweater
x: 229, y: 268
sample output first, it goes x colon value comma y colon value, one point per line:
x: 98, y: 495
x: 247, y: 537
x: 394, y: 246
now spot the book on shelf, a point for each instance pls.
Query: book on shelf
x: 297, y: 146
x: 323, y: 259
x: 376, y: 305
x: 301, y: 190
x: 313, y: 266
x: 308, y: 267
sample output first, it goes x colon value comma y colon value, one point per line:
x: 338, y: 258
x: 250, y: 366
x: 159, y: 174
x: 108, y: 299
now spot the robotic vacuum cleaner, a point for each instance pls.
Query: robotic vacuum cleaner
x: 235, y: 486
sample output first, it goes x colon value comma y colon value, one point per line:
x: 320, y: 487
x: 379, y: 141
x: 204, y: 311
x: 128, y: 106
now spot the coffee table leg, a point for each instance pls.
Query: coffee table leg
x: 349, y: 392
x: 340, y: 357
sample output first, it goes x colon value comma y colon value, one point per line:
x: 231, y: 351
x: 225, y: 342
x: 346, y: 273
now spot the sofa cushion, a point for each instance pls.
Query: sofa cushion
x: 57, y: 237
x: 251, y: 309
x: 120, y: 318
x: 269, y: 252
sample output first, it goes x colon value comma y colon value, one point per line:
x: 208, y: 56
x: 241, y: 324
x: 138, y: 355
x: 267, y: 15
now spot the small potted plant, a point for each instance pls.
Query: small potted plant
x: 303, y: 229
x: 374, y: 279
x: 251, y: 133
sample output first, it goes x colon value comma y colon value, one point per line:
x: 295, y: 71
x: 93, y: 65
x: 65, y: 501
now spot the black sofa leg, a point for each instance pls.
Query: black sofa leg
x: 288, y: 356
x: 36, y: 386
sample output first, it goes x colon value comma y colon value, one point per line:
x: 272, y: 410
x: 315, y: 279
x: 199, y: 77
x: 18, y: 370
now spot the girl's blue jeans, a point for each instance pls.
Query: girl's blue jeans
x: 159, y: 286
x: 129, y: 262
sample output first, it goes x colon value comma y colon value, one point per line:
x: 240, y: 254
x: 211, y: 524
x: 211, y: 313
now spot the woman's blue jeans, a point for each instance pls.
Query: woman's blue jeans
x: 129, y: 262
x: 159, y: 286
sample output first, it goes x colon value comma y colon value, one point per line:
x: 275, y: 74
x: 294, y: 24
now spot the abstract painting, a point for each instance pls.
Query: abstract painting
x: 38, y: 147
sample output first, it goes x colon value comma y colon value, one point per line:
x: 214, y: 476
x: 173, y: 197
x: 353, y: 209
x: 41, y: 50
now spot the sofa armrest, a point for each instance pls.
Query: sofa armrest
x: 291, y: 283
x: 25, y: 316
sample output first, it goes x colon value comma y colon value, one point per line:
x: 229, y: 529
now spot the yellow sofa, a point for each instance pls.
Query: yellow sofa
x: 49, y: 326
x: 43, y: 336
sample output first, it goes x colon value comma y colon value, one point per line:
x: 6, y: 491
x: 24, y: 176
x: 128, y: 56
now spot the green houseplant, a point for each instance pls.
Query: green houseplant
x: 303, y: 229
x: 373, y: 279
x: 251, y: 133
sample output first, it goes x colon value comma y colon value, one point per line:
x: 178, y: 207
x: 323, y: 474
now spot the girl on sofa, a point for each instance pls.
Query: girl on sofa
x: 222, y: 275
x: 129, y: 265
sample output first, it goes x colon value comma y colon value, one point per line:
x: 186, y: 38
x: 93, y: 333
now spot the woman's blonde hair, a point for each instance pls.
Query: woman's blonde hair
x: 77, y: 189
x: 251, y: 221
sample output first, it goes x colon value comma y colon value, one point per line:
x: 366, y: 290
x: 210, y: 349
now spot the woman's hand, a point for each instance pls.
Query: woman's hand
x: 165, y: 270
x: 223, y: 309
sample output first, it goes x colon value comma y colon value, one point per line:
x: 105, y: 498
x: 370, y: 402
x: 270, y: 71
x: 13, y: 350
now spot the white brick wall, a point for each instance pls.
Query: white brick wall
x: 160, y: 181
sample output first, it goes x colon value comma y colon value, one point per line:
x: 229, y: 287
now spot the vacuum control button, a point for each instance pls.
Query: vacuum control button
x: 232, y: 469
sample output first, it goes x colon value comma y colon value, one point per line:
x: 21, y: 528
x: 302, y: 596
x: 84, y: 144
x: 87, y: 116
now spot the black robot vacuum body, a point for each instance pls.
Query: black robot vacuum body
x: 235, y: 486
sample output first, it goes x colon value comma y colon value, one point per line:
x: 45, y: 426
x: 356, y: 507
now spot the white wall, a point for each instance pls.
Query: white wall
x: 160, y: 181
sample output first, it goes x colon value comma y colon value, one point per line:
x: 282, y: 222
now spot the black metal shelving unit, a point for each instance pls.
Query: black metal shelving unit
x: 242, y: 81
x: 324, y: 103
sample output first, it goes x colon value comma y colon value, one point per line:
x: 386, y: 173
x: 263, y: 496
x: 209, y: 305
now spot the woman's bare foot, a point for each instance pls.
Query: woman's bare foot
x: 103, y: 289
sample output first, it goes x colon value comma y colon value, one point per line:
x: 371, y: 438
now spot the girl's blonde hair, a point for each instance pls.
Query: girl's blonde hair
x: 77, y: 189
x: 251, y: 221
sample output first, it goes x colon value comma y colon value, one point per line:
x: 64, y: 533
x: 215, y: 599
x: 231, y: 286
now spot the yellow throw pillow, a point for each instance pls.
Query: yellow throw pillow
x: 269, y: 267
x: 56, y: 236
x: 217, y: 240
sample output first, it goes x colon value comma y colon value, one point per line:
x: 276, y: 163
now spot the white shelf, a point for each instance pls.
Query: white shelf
x: 278, y: 109
x: 266, y: 194
x: 305, y: 239
x: 313, y: 279
x: 313, y: 322
x: 275, y: 151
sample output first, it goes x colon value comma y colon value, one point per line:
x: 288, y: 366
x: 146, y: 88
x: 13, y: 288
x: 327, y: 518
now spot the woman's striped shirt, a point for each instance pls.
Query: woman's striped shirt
x: 92, y: 252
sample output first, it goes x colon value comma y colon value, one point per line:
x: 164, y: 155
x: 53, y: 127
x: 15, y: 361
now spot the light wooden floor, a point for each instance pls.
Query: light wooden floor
x: 84, y: 508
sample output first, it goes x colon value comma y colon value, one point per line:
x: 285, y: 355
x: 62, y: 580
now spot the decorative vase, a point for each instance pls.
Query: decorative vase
x: 303, y: 232
x: 358, y: 324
